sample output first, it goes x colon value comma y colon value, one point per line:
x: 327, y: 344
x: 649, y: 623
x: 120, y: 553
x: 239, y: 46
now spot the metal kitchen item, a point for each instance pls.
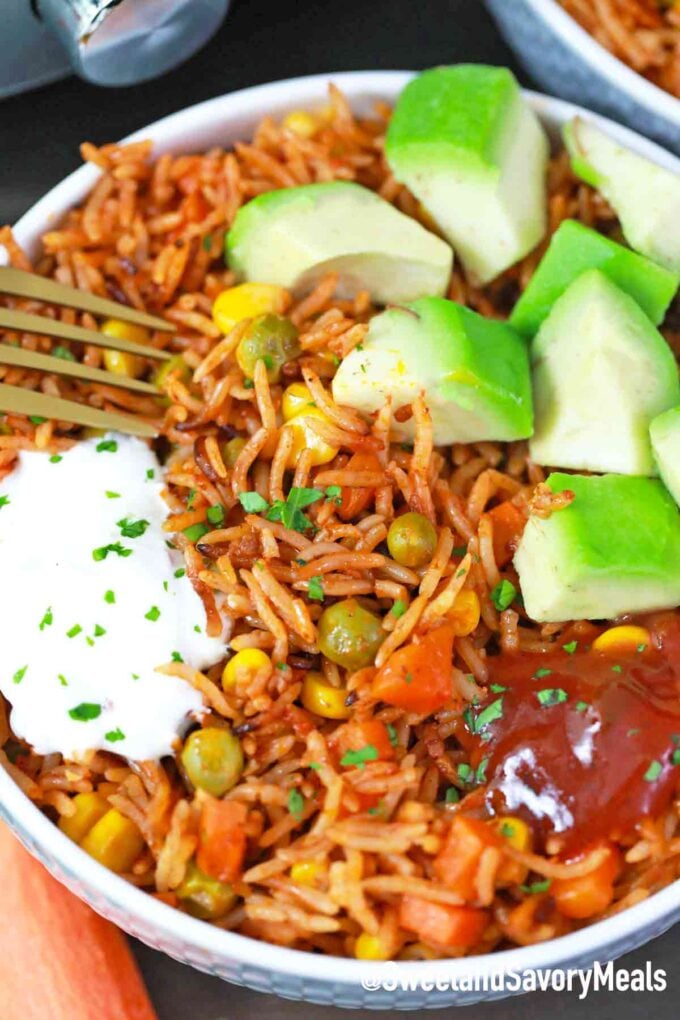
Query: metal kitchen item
x: 108, y: 42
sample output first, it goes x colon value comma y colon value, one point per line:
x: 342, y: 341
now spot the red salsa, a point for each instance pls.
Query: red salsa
x: 580, y: 743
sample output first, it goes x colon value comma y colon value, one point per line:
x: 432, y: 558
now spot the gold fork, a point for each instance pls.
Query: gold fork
x: 17, y: 400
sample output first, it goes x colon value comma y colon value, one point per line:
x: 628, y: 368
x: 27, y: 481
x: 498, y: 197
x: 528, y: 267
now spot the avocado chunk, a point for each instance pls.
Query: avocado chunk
x: 644, y: 195
x: 601, y: 372
x: 474, y: 372
x: 294, y: 236
x: 575, y: 248
x: 665, y: 435
x: 615, y: 549
x: 474, y: 154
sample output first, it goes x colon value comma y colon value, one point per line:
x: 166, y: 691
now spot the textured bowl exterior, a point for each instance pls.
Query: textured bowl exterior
x: 232, y: 957
x: 568, y: 62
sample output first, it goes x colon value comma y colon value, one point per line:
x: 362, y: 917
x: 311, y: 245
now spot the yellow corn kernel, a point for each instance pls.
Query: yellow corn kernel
x: 621, y: 640
x: 243, y: 667
x: 306, y: 872
x: 114, y: 841
x: 370, y: 947
x: 247, y: 300
x: 302, y: 123
x: 125, y: 331
x: 517, y: 832
x: 464, y: 615
x: 89, y: 808
x: 323, y: 699
x: 306, y: 438
x: 296, y: 400
x: 123, y: 363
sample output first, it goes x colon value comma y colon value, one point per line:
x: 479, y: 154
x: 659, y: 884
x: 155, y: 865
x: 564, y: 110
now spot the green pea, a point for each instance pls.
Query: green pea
x: 350, y: 635
x: 232, y: 450
x: 203, y: 896
x: 176, y: 365
x: 412, y: 540
x: 269, y: 338
x: 213, y: 760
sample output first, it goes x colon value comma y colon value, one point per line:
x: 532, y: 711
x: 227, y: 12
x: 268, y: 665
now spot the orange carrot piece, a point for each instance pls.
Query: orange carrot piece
x: 417, y: 677
x: 355, y: 499
x: 441, y: 923
x: 360, y: 734
x: 589, y: 894
x: 508, y: 524
x: 60, y: 960
x: 222, y: 839
x: 456, y: 863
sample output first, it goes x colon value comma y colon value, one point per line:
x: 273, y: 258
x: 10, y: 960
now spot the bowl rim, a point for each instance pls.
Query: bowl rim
x: 97, y: 884
x: 620, y: 74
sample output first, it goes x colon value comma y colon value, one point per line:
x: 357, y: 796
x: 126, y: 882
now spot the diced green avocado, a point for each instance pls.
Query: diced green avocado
x: 295, y: 235
x: 474, y: 154
x: 575, y: 248
x: 474, y: 372
x: 665, y: 435
x: 601, y: 372
x: 644, y: 195
x: 615, y: 549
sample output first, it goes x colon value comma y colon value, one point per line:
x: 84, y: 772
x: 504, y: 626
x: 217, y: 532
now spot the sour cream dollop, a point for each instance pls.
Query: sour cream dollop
x: 92, y: 601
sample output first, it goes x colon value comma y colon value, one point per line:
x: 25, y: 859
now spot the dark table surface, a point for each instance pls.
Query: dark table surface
x: 263, y: 40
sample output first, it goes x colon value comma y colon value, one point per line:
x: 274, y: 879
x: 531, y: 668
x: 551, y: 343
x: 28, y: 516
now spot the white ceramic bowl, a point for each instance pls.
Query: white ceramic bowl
x: 567, y: 60
x: 268, y: 968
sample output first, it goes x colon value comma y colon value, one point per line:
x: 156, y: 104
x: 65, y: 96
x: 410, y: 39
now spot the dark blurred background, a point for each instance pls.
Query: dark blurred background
x: 263, y: 40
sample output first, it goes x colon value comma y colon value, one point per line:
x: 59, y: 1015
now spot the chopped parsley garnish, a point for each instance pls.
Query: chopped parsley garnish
x: 64, y: 353
x: 289, y: 512
x: 215, y: 514
x: 550, y: 696
x: 537, y: 887
x: 540, y: 673
x: 459, y: 550
x: 180, y: 572
x: 315, y: 588
x: 316, y: 765
x: 55, y: 458
x: 113, y: 547
x: 75, y: 630
x: 85, y: 711
x: 114, y: 735
x: 641, y: 648
x: 675, y: 757
x: 206, y: 243
x: 47, y: 620
x: 451, y: 796
x: 4, y: 501
x: 617, y: 669
x: 90, y: 642
x: 503, y: 594
x: 392, y: 734
x: 132, y: 529
x: 110, y: 597
x: 248, y: 384
x: 296, y: 803
x: 19, y: 675
x: 633, y: 732
x: 582, y: 706
x: 480, y: 774
x: 153, y: 614
x: 62, y: 679
x: 653, y: 772
x: 408, y: 678
x: 497, y: 688
x: 196, y: 531
x: 252, y: 502
x: 507, y: 830
x: 197, y: 628
x: 570, y: 647
x: 190, y: 499
x: 465, y: 772
x: 165, y: 586
x: 107, y: 446
x: 176, y: 657
x: 334, y: 494
x: 37, y: 419
x: 99, y: 631
x: 283, y: 666
x: 112, y: 495
x: 150, y: 474
x: 398, y: 608
x: 488, y: 715
x: 360, y: 756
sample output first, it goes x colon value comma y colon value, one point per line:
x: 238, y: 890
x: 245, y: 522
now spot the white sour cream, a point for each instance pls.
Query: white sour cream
x: 82, y: 633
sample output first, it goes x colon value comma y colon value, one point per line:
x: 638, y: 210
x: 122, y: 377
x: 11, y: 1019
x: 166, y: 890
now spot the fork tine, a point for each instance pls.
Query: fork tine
x: 25, y: 322
x: 20, y: 401
x: 22, y: 284
x: 60, y: 366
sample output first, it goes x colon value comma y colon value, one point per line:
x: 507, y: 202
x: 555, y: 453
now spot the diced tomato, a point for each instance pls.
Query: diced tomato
x: 588, y: 894
x: 222, y: 839
x: 417, y: 677
x: 508, y: 524
x: 355, y: 499
x: 359, y: 734
x: 456, y: 863
x: 441, y: 923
